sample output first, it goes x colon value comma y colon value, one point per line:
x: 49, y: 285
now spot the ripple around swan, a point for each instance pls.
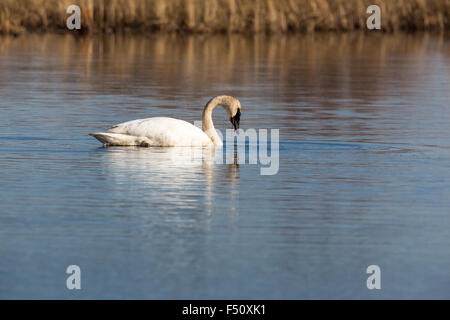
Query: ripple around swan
x: 338, y: 146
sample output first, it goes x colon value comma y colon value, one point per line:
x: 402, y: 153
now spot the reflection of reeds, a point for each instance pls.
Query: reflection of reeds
x: 222, y: 15
x: 201, y: 65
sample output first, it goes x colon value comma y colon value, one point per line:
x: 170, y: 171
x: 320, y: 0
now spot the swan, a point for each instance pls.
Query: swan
x: 170, y: 132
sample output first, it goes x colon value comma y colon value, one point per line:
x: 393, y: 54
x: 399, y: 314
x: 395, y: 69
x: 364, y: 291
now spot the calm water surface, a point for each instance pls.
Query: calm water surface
x: 364, y: 173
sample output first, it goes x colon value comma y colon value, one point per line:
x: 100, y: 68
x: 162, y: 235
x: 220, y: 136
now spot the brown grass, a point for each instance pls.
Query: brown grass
x: 242, y: 16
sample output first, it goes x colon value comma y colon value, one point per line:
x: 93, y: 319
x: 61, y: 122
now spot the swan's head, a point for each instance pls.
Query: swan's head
x: 235, y: 113
x: 235, y: 119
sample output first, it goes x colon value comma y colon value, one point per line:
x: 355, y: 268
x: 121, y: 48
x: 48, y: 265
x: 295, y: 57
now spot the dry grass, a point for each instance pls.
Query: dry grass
x: 246, y: 16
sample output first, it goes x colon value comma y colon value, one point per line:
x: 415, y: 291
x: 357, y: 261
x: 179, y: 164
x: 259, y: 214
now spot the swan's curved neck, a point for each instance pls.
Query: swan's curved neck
x: 207, y: 122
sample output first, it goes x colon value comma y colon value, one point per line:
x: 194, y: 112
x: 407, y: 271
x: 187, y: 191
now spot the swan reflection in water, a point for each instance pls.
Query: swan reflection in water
x: 173, y: 180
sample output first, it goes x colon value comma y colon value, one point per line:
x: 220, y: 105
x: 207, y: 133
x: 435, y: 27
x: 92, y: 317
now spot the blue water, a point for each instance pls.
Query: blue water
x: 364, y: 168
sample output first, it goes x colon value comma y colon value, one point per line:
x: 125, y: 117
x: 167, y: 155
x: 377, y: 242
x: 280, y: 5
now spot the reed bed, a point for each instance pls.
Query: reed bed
x: 227, y: 16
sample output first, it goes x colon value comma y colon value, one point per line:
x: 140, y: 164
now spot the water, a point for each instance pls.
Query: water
x: 364, y: 174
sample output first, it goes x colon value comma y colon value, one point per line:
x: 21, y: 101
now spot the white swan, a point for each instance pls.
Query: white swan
x: 170, y: 132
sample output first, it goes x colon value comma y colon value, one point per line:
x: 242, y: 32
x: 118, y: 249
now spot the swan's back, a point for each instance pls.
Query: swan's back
x: 163, y: 131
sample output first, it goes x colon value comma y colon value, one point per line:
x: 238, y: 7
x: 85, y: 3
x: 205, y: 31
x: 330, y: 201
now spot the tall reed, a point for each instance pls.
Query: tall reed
x: 243, y: 16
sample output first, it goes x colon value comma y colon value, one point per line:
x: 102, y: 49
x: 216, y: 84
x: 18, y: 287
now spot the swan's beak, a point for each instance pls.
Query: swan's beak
x: 235, y: 120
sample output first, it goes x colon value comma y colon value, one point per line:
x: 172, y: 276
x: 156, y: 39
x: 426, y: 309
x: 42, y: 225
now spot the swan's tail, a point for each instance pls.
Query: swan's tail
x: 116, y: 139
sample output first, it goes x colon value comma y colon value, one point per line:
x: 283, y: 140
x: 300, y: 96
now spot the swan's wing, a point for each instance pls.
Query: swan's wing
x: 164, y: 131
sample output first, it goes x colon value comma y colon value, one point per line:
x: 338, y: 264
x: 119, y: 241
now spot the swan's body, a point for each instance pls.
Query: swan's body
x: 157, y: 131
x: 170, y: 132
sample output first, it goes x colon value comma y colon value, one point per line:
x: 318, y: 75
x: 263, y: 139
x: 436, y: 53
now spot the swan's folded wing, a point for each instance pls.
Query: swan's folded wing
x: 164, y: 131
x: 118, y: 139
x: 130, y: 127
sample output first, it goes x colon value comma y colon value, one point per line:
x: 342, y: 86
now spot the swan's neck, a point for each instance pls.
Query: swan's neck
x: 207, y: 122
